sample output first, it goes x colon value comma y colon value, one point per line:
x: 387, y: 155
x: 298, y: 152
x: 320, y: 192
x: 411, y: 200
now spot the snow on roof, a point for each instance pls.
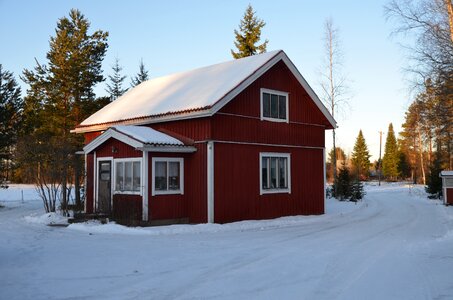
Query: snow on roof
x: 446, y: 173
x: 186, y: 91
x: 147, y: 135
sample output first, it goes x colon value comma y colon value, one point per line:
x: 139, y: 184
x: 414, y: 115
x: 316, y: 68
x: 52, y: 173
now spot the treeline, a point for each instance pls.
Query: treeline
x: 36, y: 145
x: 425, y: 143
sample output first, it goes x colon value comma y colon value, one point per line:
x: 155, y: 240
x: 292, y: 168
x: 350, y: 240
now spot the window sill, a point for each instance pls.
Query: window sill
x: 274, y: 120
x: 275, y: 191
x: 171, y: 192
x: 126, y: 193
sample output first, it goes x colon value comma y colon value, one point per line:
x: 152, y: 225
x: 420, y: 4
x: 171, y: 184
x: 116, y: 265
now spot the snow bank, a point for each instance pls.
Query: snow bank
x: 47, y: 219
x: 333, y: 207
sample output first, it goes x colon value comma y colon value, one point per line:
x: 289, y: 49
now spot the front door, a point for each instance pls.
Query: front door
x: 104, y: 186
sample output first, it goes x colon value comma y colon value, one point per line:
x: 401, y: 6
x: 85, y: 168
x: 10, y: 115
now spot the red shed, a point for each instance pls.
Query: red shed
x: 234, y: 141
x: 447, y: 186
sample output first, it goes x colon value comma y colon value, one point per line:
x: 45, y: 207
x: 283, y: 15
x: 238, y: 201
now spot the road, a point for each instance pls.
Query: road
x: 396, y: 244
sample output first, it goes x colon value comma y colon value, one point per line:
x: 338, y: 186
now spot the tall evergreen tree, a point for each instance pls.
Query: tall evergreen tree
x: 361, y: 157
x: 60, y: 96
x: 248, y: 35
x: 115, y: 87
x: 141, y: 76
x: 390, y: 160
x: 10, y: 116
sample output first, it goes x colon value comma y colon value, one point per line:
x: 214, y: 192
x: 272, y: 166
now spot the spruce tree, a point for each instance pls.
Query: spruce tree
x: 434, y: 182
x: 248, y: 35
x: 141, y: 76
x: 390, y: 160
x: 59, y: 97
x: 342, y: 185
x: 115, y: 87
x: 361, y: 157
x: 357, y: 191
x: 10, y: 116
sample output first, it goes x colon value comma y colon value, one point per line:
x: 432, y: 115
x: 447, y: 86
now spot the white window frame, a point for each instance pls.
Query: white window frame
x: 124, y: 160
x: 278, y: 93
x: 277, y: 190
x: 181, y: 176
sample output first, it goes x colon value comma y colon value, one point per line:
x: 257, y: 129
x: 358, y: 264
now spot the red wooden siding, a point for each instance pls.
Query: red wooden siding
x: 162, y: 207
x: 192, y: 204
x: 197, y: 129
x: 237, y: 190
x: 233, y: 128
x: 116, y: 149
x: 449, y: 196
x: 196, y: 188
x: 90, y: 183
x: 301, y: 107
x: 89, y: 136
x: 127, y: 208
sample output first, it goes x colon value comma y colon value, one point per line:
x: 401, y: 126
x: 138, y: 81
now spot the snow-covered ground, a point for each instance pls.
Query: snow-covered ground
x: 396, y: 244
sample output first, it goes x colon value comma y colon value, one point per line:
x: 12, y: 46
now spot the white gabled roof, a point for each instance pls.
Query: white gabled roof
x: 140, y: 137
x: 446, y: 173
x: 196, y: 93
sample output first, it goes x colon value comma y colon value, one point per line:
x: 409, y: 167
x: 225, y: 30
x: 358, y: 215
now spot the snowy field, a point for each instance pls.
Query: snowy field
x: 396, y: 244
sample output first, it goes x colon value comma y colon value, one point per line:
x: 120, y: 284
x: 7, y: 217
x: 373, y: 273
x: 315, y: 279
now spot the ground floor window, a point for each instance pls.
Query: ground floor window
x: 167, y: 175
x: 127, y: 175
x: 275, y: 170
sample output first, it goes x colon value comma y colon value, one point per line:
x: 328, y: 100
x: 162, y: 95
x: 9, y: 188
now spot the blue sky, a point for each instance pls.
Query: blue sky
x: 172, y: 36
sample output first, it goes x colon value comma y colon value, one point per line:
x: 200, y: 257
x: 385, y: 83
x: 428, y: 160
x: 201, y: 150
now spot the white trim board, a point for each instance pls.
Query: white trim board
x: 210, y: 181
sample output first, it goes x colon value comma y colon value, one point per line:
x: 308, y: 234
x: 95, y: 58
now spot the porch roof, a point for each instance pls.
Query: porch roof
x: 142, y: 138
x: 446, y: 173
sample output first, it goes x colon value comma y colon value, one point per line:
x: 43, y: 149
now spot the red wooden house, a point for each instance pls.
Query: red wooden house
x: 233, y: 141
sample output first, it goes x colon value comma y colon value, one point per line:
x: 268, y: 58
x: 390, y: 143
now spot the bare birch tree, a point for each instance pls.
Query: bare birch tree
x: 333, y: 82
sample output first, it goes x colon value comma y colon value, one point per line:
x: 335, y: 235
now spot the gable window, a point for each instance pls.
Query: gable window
x: 275, y: 173
x: 168, y: 175
x: 274, y: 105
x: 128, y: 175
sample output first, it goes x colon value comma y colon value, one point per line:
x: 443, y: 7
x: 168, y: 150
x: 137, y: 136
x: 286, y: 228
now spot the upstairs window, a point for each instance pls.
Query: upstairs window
x: 274, y: 105
x: 275, y: 171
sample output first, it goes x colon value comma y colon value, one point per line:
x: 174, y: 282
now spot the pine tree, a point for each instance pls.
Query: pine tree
x: 390, y: 160
x: 10, y: 116
x: 115, y: 88
x: 141, y: 76
x: 361, y: 157
x: 249, y: 35
x: 60, y: 96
